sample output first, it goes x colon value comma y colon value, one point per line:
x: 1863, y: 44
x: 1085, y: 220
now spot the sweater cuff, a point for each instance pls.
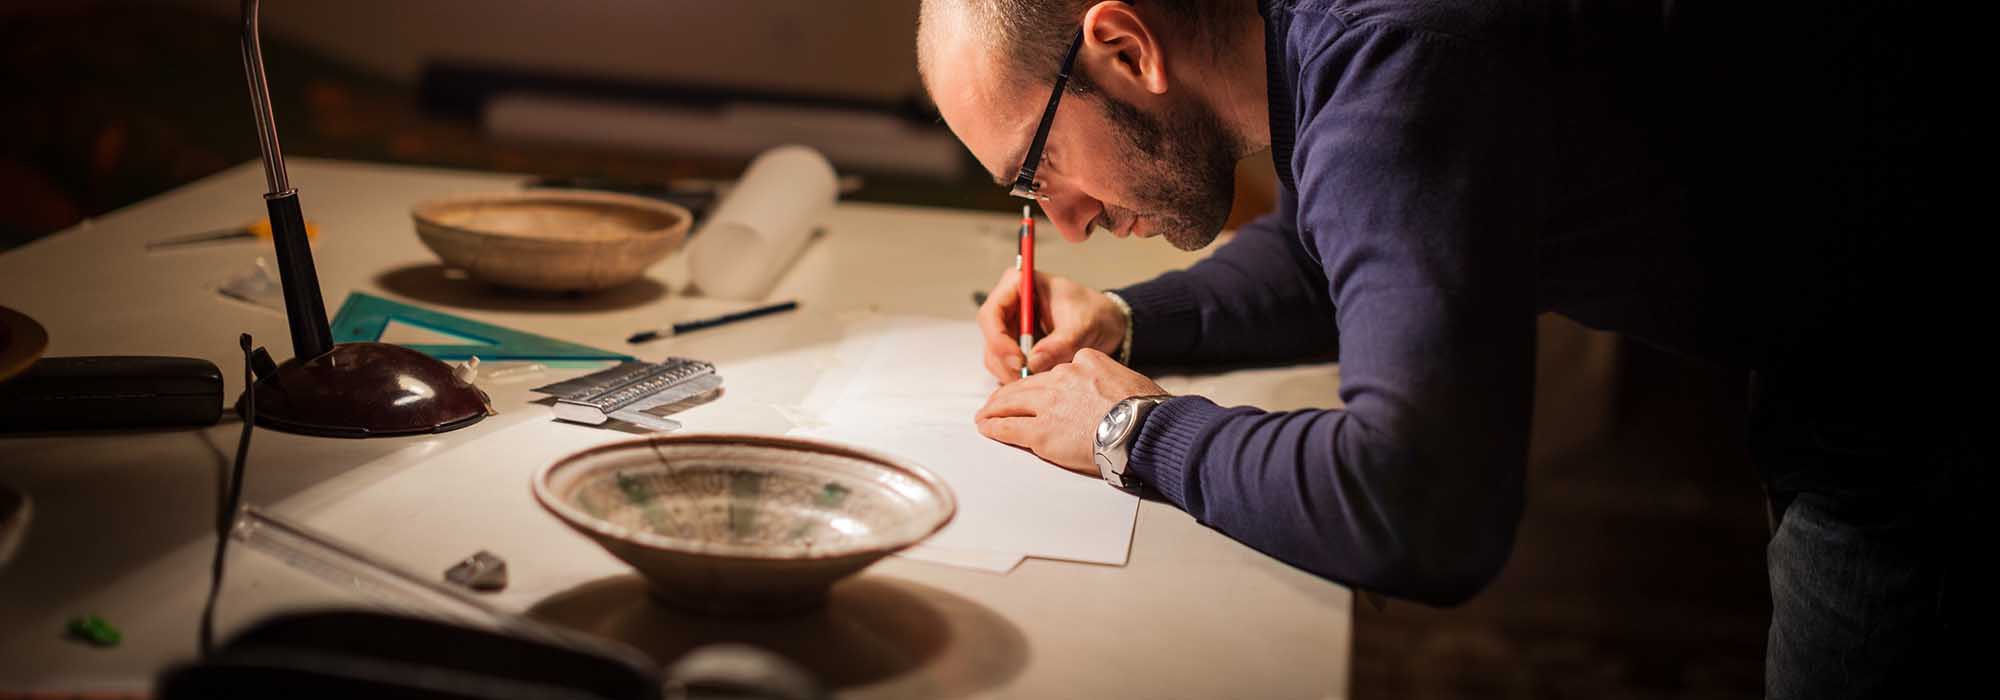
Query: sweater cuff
x: 1124, y: 355
x: 1166, y: 318
x: 1169, y: 440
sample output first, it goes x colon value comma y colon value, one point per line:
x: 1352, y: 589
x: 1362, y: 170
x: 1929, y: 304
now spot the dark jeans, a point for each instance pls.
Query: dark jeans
x: 1878, y: 527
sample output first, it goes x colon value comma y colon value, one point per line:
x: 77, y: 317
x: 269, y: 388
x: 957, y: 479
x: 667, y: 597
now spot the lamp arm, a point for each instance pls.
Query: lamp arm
x: 305, y: 311
x: 260, y: 102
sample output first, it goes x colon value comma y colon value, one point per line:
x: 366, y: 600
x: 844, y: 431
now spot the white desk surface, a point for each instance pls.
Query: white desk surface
x: 122, y: 523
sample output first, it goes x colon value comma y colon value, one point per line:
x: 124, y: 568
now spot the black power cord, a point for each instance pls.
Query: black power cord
x: 225, y: 518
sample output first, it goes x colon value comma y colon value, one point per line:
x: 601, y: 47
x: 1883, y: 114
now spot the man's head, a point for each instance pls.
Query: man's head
x: 1137, y: 145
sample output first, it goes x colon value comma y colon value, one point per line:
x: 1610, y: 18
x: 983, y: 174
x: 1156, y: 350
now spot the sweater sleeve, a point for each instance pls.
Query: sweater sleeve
x: 1417, y: 163
x: 1259, y: 284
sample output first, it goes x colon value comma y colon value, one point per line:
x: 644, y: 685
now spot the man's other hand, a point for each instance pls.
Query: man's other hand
x: 1055, y: 414
x: 1074, y: 317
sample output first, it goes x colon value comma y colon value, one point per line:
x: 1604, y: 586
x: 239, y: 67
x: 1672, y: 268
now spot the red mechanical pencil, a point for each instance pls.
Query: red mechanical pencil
x: 1025, y: 263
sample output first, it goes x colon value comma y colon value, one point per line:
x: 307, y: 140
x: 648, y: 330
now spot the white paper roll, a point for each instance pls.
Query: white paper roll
x: 757, y: 230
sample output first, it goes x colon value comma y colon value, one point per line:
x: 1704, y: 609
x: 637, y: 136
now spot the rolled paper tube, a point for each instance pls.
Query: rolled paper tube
x: 757, y: 231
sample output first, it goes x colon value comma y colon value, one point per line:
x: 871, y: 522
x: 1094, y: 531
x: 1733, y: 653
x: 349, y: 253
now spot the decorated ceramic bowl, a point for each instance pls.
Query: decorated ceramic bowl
x: 551, y: 240
x: 744, y: 524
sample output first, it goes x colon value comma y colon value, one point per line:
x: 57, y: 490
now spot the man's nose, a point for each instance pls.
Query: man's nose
x: 1072, y: 215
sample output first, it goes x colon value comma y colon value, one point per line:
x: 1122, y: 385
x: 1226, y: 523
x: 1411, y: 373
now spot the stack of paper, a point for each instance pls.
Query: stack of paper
x: 909, y: 387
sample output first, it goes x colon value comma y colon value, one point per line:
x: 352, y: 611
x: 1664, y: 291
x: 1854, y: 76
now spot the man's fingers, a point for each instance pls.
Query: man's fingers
x: 1053, y: 350
x: 1006, y: 350
x: 1091, y: 357
x: 1005, y: 368
x: 1045, y: 315
x: 997, y: 314
x: 998, y: 319
x: 1016, y: 431
x: 1016, y: 399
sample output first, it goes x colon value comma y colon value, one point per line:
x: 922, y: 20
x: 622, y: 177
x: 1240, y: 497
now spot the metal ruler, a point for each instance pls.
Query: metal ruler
x: 629, y: 390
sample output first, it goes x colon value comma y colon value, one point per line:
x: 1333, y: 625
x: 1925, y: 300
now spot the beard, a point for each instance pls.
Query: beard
x: 1184, y: 168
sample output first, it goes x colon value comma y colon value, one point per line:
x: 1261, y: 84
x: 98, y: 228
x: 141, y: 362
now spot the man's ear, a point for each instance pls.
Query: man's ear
x: 1121, y: 51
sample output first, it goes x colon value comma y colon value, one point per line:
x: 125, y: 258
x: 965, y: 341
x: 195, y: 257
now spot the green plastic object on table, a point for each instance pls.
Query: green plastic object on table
x: 93, y: 630
x: 364, y: 317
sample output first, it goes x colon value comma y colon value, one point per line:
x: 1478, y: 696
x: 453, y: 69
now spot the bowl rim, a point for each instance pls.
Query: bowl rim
x: 577, y: 519
x: 424, y: 212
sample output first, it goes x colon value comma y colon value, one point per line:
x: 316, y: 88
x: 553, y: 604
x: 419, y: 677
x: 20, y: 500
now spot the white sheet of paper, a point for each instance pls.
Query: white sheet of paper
x: 992, y: 562
x: 910, y: 389
x: 924, y: 370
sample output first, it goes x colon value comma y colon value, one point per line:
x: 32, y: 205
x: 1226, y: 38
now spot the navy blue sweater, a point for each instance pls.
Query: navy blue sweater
x: 1449, y: 171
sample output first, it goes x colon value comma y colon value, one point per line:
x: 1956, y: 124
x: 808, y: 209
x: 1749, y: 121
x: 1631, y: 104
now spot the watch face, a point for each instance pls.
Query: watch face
x: 1113, y: 425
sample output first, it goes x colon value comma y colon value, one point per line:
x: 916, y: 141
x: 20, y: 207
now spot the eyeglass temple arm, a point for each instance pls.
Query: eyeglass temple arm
x: 1026, y: 180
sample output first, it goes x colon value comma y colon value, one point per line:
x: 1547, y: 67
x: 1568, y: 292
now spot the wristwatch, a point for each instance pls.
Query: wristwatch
x: 1116, y: 434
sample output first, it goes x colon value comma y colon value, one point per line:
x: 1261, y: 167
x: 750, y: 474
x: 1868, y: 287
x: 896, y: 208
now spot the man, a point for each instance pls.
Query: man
x: 1749, y: 186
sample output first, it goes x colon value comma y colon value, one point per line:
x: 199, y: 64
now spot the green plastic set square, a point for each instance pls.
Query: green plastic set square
x: 365, y: 317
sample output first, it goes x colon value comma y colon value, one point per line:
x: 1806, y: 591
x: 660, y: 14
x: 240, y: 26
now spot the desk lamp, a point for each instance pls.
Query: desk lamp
x: 350, y: 389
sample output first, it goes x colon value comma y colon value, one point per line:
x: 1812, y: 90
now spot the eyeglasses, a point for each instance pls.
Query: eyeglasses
x: 1025, y: 186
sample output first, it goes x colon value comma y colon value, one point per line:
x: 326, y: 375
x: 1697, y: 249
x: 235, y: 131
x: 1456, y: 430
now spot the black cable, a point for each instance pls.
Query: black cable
x: 225, y: 519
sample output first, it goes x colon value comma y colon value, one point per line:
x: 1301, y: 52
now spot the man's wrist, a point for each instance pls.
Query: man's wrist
x: 1125, y: 311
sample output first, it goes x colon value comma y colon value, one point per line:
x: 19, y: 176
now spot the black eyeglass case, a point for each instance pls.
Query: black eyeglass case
x: 94, y: 393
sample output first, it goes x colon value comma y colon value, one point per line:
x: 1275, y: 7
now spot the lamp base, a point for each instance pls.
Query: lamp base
x: 362, y: 390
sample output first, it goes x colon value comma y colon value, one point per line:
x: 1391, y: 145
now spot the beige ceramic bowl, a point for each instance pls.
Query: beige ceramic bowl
x: 744, y: 524
x: 551, y: 240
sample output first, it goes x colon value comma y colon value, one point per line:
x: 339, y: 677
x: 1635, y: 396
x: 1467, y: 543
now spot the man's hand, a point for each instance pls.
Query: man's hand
x: 1075, y: 317
x: 1055, y: 414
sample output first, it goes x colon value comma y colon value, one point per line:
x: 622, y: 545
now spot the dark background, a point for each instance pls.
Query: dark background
x: 1639, y: 567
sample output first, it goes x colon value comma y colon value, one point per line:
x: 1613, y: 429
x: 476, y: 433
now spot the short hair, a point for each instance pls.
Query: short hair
x: 1031, y: 36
